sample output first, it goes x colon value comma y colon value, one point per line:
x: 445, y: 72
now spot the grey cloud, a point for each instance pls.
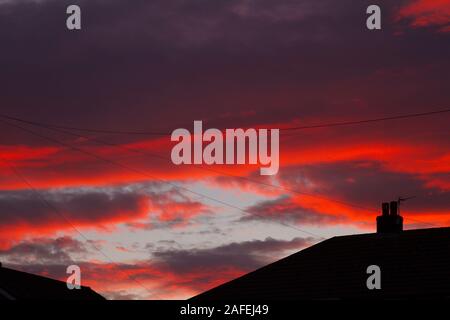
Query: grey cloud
x: 367, y: 183
x: 78, y: 205
x: 286, y: 210
x: 99, y: 206
x: 43, y: 251
x: 246, y: 255
x: 195, y: 269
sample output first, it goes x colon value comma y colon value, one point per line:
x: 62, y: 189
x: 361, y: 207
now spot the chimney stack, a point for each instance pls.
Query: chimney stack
x: 389, y: 221
x: 393, y: 208
x: 385, y: 209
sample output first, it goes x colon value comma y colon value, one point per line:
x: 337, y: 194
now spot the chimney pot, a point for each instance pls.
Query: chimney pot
x: 390, y: 221
x: 394, y: 208
x: 385, y: 208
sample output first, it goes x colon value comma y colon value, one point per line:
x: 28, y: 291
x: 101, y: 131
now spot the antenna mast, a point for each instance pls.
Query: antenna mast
x: 403, y: 199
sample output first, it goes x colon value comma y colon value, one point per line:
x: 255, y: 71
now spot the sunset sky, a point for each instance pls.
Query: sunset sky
x: 109, y: 198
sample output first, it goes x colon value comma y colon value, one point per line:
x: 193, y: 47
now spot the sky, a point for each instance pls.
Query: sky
x: 140, y: 227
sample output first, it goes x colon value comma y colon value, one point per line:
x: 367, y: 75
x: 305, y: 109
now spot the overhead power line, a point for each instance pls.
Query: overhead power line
x: 363, y: 121
x: 161, y: 157
x: 285, y: 129
x: 55, y: 210
x: 147, y: 175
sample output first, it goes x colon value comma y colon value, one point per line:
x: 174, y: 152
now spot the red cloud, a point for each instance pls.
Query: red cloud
x: 65, y: 168
x: 62, y: 167
x: 24, y: 214
x: 426, y: 13
x: 27, y: 213
x: 169, y: 275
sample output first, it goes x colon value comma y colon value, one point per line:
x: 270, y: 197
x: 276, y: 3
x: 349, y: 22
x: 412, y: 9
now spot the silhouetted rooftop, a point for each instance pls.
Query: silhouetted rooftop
x: 17, y: 285
x: 414, y: 264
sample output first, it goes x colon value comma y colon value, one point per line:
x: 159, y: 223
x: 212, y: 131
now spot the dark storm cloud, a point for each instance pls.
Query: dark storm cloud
x: 43, y: 251
x: 140, y: 205
x: 287, y: 210
x: 78, y: 205
x: 246, y: 255
x: 168, y: 61
x: 369, y: 183
x: 168, y: 270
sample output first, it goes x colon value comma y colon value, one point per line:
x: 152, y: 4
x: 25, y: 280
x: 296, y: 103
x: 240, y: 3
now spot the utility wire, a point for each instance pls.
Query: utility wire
x: 297, y: 128
x: 333, y: 124
x: 356, y: 122
x: 129, y: 149
x: 145, y: 174
x: 419, y: 221
x: 145, y: 133
x: 161, y: 157
x: 55, y: 210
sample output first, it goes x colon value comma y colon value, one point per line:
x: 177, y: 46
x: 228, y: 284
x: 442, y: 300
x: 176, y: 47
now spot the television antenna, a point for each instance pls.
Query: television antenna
x: 403, y: 199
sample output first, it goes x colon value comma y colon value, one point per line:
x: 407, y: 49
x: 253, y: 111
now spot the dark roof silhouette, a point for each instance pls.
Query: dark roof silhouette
x: 414, y: 264
x: 18, y: 285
